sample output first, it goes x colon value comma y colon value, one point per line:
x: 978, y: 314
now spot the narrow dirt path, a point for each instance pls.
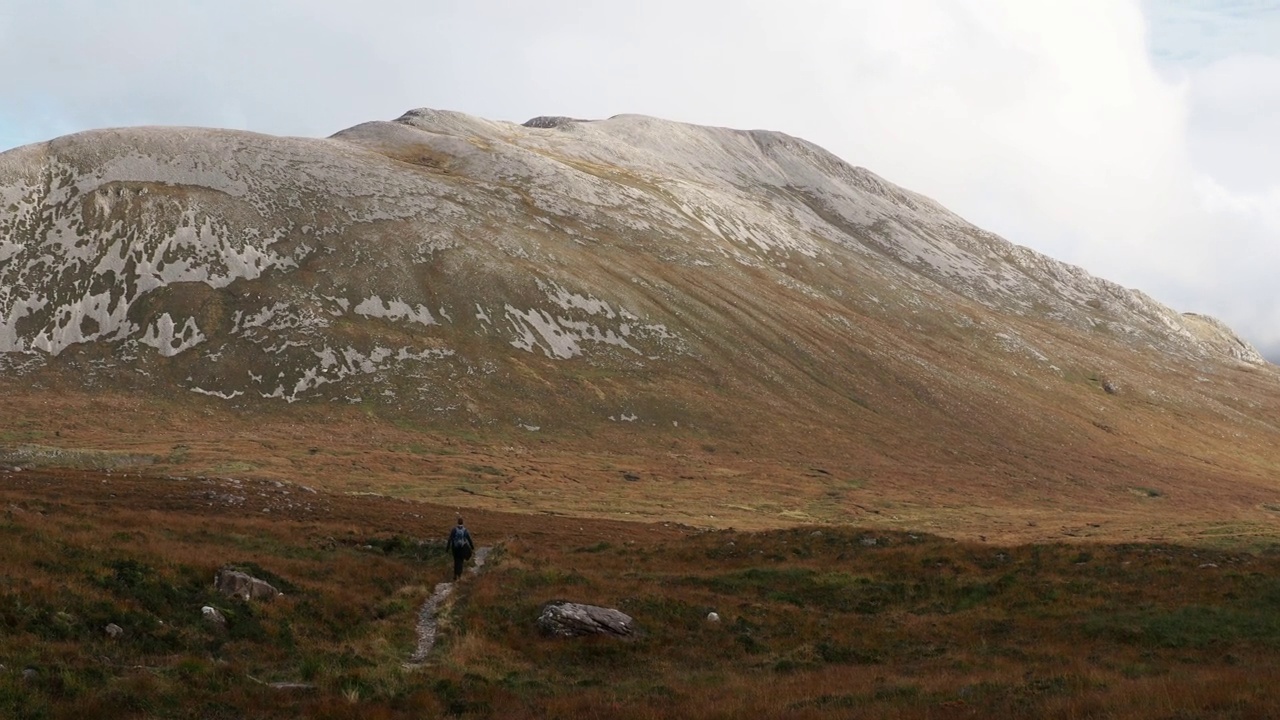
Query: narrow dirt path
x: 482, y: 554
x: 427, y: 616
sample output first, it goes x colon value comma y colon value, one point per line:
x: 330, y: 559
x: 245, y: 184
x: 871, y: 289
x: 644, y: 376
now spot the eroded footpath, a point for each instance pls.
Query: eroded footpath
x: 428, y: 616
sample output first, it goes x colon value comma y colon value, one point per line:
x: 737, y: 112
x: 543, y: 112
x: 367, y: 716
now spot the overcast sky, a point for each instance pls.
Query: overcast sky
x: 1138, y: 139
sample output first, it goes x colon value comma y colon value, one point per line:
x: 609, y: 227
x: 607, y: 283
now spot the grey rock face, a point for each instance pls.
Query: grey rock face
x: 549, y: 122
x: 152, y: 242
x: 566, y: 619
x: 422, y: 264
x: 234, y: 583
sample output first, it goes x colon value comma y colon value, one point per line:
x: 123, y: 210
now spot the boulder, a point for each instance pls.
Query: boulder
x: 114, y: 631
x: 713, y: 617
x: 234, y: 583
x: 211, y: 614
x: 566, y: 619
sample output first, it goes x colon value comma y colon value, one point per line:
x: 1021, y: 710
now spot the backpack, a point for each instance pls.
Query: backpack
x: 458, y: 540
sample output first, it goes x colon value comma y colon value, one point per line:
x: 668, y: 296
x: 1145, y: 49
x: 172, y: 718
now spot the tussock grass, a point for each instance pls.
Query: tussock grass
x: 815, y: 623
x: 82, y: 553
x: 826, y: 623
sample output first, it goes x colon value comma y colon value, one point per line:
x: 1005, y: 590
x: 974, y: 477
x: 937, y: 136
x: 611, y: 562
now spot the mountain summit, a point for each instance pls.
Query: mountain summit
x: 564, y: 276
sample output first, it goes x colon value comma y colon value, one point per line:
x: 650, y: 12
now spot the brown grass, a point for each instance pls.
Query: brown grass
x: 1159, y: 480
x: 816, y: 622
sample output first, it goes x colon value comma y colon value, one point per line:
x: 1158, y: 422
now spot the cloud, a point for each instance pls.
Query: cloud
x: 1235, y: 120
x: 1193, y: 32
x: 1045, y: 122
x: 1233, y: 143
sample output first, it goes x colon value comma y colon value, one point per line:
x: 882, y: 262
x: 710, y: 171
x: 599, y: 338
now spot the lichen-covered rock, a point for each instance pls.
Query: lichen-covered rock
x: 566, y: 619
x: 234, y: 583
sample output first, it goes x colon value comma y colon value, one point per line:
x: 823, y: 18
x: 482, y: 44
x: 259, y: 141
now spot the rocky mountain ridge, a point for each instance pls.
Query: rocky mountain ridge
x: 458, y: 269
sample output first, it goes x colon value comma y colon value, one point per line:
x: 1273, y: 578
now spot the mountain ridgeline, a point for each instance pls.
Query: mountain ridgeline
x: 564, y: 276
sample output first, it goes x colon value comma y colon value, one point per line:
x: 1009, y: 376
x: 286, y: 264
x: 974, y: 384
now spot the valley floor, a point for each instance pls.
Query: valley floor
x: 983, y: 490
x: 814, y: 622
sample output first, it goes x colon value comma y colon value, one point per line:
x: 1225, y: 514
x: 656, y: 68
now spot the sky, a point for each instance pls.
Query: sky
x: 1139, y: 139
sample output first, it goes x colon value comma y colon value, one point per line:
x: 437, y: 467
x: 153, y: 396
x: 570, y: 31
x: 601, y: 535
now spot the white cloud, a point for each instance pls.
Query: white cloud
x: 1044, y: 121
x: 1235, y: 120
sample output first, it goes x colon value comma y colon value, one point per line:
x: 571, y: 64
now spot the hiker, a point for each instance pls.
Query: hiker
x: 460, y: 545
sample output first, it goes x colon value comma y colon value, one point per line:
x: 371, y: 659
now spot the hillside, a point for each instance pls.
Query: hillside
x: 616, y: 317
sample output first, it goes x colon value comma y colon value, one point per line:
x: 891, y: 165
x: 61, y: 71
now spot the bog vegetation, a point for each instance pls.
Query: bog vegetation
x: 814, y: 622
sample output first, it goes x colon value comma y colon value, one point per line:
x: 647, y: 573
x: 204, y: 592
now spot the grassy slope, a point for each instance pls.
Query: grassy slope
x: 815, y: 622
x: 1120, y: 467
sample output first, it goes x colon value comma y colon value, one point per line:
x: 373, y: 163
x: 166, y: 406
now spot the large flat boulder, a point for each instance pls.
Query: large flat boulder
x: 234, y: 583
x: 566, y: 619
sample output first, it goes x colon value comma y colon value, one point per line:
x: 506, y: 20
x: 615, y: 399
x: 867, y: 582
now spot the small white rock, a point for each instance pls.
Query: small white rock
x: 713, y: 617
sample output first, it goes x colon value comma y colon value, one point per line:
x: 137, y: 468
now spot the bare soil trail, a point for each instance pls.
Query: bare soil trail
x: 428, y: 616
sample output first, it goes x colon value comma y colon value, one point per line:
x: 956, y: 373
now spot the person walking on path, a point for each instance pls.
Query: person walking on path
x: 461, y: 545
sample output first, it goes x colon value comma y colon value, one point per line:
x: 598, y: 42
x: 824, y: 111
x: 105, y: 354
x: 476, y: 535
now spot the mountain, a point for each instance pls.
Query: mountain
x: 591, y: 283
